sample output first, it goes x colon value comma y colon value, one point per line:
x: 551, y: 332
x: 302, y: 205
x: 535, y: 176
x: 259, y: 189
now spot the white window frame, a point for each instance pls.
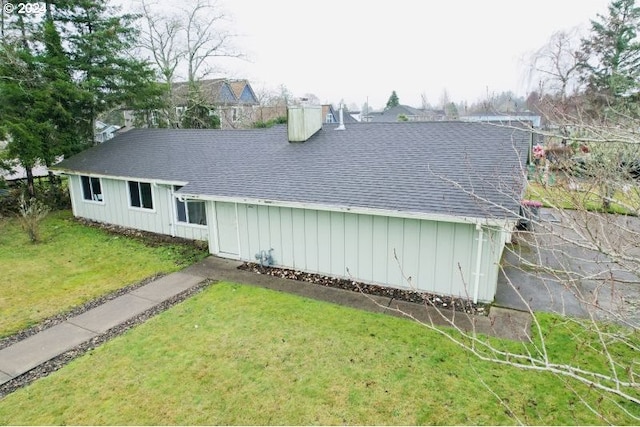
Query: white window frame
x: 141, y: 207
x: 95, y: 197
x: 186, y: 202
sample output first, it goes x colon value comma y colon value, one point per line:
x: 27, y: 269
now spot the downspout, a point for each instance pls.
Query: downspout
x: 476, y: 288
x: 174, y: 210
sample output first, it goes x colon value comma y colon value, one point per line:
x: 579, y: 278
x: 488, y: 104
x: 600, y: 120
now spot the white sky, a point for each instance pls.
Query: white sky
x: 356, y: 49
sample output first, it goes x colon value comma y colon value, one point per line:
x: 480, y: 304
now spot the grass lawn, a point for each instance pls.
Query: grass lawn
x: 559, y: 196
x: 236, y: 354
x: 72, y: 265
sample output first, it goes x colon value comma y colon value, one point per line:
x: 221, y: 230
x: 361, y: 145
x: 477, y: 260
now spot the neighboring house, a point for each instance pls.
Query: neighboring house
x: 331, y: 115
x: 264, y: 113
x: 234, y: 100
x: 104, y: 132
x: 442, y: 197
x: 18, y: 173
x: 403, y: 113
x: 506, y: 118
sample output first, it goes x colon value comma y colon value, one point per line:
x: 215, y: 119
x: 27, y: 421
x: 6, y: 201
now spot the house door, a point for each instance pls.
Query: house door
x: 227, y: 224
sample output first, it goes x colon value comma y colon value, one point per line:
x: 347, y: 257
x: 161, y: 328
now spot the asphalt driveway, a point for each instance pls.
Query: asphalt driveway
x: 556, y: 269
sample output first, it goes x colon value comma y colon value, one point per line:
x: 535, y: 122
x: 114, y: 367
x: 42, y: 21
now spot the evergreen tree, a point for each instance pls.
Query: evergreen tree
x: 51, y: 92
x: 393, y: 101
x: 99, y: 42
x: 198, y: 113
x: 610, y: 66
x: 22, y: 97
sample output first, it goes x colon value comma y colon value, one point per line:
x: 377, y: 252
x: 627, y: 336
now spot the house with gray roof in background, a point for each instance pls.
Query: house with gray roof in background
x: 405, y: 113
x: 426, y: 205
x: 234, y: 100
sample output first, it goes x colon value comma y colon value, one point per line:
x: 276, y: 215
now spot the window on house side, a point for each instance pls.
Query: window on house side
x: 91, y: 188
x: 140, y: 195
x: 191, y: 211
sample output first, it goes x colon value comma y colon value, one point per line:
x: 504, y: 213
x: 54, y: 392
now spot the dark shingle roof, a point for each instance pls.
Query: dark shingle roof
x: 391, y: 114
x: 421, y: 167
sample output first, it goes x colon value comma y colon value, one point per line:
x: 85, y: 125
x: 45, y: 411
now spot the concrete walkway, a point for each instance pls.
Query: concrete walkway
x: 37, y: 349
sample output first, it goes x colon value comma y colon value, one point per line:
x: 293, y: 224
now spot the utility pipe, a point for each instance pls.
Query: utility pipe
x: 476, y: 289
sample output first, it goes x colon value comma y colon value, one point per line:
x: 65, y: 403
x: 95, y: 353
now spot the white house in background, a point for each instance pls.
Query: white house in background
x: 104, y: 131
x: 505, y: 118
x: 441, y: 196
x: 17, y: 173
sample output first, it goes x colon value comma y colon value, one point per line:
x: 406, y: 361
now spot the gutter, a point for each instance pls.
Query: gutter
x: 458, y: 219
x: 118, y: 177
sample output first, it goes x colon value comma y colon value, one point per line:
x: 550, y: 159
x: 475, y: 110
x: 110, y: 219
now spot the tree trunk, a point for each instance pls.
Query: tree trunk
x: 31, y: 188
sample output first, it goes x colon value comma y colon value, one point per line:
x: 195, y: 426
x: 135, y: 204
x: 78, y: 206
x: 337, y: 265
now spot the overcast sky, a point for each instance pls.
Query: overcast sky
x: 357, y: 50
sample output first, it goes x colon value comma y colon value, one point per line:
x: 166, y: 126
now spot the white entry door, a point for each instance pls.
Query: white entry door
x: 227, y: 224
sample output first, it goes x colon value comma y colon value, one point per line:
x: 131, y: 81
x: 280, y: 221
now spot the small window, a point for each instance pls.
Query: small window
x: 191, y: 211
x: 329, y: 118
x: 91, y: 188
x: 140, y: 195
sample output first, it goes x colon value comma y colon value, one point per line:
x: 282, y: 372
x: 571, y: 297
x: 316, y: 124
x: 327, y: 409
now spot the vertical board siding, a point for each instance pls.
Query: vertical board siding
x: 115, y: 209
x: 351, y: 245
x: 410, y: 260
x: 243, y: 232
x: 444, y: 257
x: 428, y: 248
x: 311, y: 239
x: 299, y: 238
x: 438, y: 256
x: 492, y: 254
x: 264, y: 234
x: 286, y: 230
x: 463, y: 278
x: 275, y: 234
x: 365, y: 247
x: 395, y: 231
x: 253, y: 232
x: 337, y: 242
x: 380, y: 256
x: 324, y: 241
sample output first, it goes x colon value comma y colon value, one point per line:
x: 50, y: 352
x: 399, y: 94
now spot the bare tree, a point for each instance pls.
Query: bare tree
x: 206, y: 38
x: 556, y: 64
x: 271, y: 105
x: 580, y: 263
x: 187, y: 45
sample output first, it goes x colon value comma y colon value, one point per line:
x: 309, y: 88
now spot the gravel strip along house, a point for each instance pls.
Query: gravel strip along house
x: 426, y: 205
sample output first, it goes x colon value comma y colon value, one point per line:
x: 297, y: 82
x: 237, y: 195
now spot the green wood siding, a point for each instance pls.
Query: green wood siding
x: 115, y: 209
x: 439, y: 257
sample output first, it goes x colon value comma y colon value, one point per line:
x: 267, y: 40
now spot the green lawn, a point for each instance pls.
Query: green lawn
x: 587, y: 197
x: 72, y: 265
x: 236, y: 354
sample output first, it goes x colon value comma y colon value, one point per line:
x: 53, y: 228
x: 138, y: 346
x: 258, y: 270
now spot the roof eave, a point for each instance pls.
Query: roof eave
x: 64, y: 171
x: 459, y: 219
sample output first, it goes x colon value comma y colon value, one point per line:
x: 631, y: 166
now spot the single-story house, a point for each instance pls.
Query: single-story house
x: 506, y: 118
x: 17, y: 173
x: 428, y: 205
x: 404, y: 113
